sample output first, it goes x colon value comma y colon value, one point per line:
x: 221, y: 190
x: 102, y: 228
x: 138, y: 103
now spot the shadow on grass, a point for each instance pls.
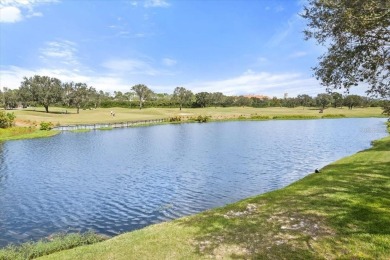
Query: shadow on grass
x: 51, y: 112
x: 340, y: 204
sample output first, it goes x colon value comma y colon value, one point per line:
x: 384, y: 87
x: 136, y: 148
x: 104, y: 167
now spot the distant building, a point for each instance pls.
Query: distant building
x: 285, y: 95
x: 257, y: 96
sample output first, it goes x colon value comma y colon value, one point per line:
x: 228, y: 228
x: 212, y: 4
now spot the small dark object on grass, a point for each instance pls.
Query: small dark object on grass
x: 317, y: 171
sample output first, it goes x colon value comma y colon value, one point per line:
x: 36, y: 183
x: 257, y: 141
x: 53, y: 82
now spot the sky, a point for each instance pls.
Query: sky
x: 231, y: 46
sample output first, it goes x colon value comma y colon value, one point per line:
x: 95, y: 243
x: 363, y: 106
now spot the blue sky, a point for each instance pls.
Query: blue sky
x: 232, y: 46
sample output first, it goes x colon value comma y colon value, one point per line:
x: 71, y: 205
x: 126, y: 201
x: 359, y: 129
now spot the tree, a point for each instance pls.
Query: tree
x: 182, y: 96
x: 323, y: 100
x: 202, y: 99
x: 94, y: 97
x: 304, y: 100
x: 1, y: 98
x: 217, y: 98
x: 143, y: 93
x: 353, y: 101
x: 6, y: 119
x: 337, y: 99
x: 10, y: 98
x: 243, y: 101
x: 43, y: 89
x: 357, y: 36
x: 79, y: 95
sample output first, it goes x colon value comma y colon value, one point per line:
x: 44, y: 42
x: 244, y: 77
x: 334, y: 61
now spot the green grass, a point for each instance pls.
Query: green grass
x: 16, y: 133
x: 102, y: 115
x: 105, y: 128
x: 334, y: 116
x: 33, y: 116
x: 80, y: 131
x: 343, y: 212
x: 58, y: 242
x: 283, y: 117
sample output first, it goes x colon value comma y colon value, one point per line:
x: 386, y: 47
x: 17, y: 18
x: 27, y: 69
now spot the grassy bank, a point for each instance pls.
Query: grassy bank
x: 32, y: 250
x: 31, y: 117
x: 16, y: 133
x: 341, y: 212
x: 102, y: 115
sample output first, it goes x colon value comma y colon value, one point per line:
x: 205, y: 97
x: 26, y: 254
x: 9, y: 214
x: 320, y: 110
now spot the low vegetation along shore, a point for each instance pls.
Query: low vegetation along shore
x: 28, y: 120
x: 341, y: 212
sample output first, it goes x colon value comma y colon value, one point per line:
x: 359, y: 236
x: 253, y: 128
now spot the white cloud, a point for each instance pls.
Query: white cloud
x: 10, y: 14
x: 297, y: 54
x: 250, y: 82
x: 57, y: 53
x: 12, y: 76
x: 156, y: 3
x: 134, y: 66
x: 169, y: 62
x: 129, y: 66
x: 12, y: 11
x: 294, y: 26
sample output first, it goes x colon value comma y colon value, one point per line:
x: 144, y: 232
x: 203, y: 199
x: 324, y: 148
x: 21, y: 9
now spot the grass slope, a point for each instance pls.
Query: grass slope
x: 102, y: 115
x: 342, y: 212
x: 16, y: 133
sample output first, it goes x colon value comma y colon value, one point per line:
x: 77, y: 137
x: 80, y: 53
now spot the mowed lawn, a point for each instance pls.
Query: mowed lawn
x: 102, y: 115
x: 343, y: 212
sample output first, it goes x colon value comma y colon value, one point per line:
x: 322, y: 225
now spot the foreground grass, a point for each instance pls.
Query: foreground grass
x: 102, y: 115
x: 46, y: 246
x: 342, y: 212
x: 16, y: 133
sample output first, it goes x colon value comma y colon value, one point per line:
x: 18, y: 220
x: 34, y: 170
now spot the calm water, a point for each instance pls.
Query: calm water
x: 125, y: 179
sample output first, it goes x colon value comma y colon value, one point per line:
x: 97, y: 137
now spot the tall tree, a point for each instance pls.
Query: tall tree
x: 79, y: 96
x: 304, y: 100
x: 10, y: 98
x: 202, y: 99
x: 357, y: 35
x: 94, y: 97
x: 143, y: 93
x: 44, y: 90
x: 353, y: 101
x: 337, y: 99
x: 323, y: 100
x: 182, y: 96
x: 217, y: 98
x: 1, y: 98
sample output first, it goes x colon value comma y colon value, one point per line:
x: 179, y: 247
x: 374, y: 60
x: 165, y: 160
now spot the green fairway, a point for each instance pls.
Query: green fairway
x: 102, y: 115
x: 341, y: 212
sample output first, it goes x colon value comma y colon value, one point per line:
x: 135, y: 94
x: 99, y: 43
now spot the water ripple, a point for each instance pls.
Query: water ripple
x: 125, y: 179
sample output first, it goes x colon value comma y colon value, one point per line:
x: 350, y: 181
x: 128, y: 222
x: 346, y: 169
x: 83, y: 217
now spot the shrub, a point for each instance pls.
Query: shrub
x: 259, y: 117
x: 6, y: 119
x: 200, y: 119
x: 55, y: 243
x: 334, y: 116
x: 294, y: 117
x: 46, y: 126
x: 175, y: 119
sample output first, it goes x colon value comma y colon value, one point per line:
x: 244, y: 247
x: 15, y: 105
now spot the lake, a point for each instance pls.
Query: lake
x: 125, y: 179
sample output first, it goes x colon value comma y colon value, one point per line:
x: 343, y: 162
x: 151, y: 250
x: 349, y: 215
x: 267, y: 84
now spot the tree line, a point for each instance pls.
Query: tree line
x: 47, y: 91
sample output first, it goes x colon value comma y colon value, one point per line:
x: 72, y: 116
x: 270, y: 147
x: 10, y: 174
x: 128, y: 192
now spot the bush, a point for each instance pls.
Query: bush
x: 55, y: 243
x: 175, y: 119
x: 259, y: 117
x: 46, y: 126
x: 334, y: 116
x: 200, y: 119
x: 6, y: 119
x: 294, y: 117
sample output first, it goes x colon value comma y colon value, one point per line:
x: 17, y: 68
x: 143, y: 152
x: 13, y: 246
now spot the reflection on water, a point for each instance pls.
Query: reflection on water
x: 121, y: 180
